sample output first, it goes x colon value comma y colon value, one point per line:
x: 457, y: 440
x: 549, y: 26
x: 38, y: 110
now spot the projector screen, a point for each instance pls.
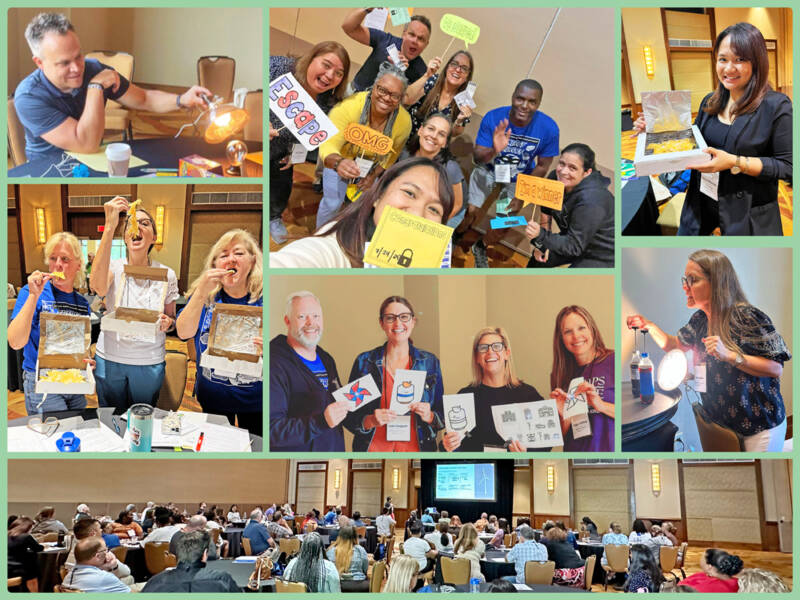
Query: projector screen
x: 465, y: 481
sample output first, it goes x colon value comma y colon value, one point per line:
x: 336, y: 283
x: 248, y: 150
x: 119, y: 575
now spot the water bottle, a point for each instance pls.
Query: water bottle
x: 635, y: 365
x: 646, y: 385
x: 474, y: 585
x: 60, y: 542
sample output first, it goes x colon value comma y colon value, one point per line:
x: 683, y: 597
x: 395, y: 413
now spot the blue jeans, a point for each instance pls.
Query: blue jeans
x: 121, y: 386
x: 334, y: 189
x: 53, y: 402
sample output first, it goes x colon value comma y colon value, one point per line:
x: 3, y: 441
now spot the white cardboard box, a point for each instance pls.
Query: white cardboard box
x: 227, y: 367
x: 147, y: 331
x: 672, y: 161
x: 49, y: 387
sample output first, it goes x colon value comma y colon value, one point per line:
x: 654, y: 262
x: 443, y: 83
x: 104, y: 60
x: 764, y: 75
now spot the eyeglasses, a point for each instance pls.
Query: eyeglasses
x: 690, y: 280
x: 496, y: 346
x: 390, y: 318
x: 454, y: 65
x: 382, y: 91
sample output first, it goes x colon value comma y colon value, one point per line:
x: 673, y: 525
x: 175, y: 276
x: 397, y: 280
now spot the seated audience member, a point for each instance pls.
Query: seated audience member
x: 426, y: 517
x: 22, y: 553
x: 527, y: 549
x: 277, y: 527
x: 384, y: 522
x: 500, y: 586
x: 257, y: 533
x: 111, y: 539
x: 613, y: 536
x: 498, y: 539
x: 357, y: 522
x: 469, y: 546
x: 412, y: 518
x: 441, y: 538
x: 492, y: 526
x: 233, y: 514
x: 418, y: 548
x: 455, y: 521
x: 163, y: 529
x: 571, y: 539
x: 759, y: 580
x: 644, y: 570
x: 191, y: 573
x: 91, y: 572
x: 83, y: 512
x: 569, y: 566
x: 444, y: 516
x: 522, y: 521
x: 91, y: 528
x: 330, y: 516
x: 416, y: 35
x: 126, y: 528
x: 481, y: 523
x: 311, y: 568
x: 62, y: 103
x: 590, y: 527
x: 309, y: 518
x: 351, y: 561
x: 45, y: 522
x: 671, y: 532
x: 719, y: 570
x: 639, y: 533
x: 403, y: 575
x: 196, y: 523
x: 657, y: 539
x: 287, y: 511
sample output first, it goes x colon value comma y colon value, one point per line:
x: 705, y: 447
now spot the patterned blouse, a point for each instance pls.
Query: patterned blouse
x: 745, y: 403
x: 415, y: 110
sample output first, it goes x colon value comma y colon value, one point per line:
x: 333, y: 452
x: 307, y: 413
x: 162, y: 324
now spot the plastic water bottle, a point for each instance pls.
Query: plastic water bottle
x: 646, y: 384
x: 635, y: 365
x: 474, y: 585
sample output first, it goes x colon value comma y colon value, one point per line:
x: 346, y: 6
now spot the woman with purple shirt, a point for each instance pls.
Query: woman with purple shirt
x: 579, y: 351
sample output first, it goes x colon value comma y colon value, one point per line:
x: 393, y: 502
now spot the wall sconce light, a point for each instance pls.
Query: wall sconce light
x: 160, y: 224
x: 41, y: 229
x: 395, y: 478
x: 655, y: 478
x: 551, y: 479
x: 649, y: 64
x: 337, y: 479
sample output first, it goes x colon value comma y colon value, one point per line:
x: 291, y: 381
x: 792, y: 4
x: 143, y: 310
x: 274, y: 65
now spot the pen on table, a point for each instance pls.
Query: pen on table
x: 200, y: 441
x: 158, y: 170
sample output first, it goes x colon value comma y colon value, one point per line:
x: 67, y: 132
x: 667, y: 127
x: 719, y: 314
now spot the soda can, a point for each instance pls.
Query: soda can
x: 140, y: 427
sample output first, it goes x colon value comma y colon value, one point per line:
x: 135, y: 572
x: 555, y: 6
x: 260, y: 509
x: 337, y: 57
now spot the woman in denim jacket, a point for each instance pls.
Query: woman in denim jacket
x: 368, y: 424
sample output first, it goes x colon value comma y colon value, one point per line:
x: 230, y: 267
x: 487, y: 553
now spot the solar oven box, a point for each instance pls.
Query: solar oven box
x: 64, y: 342
x: 195, y: 165
x: 648, y: 161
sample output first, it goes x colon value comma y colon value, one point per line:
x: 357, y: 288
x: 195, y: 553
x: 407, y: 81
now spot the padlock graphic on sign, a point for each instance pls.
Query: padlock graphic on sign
x: 405, y: 258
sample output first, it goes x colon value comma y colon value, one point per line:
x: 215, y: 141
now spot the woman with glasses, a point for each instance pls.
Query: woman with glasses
x: 436, y: 93
x: 378, y: 108
x: 130, y: 368
x: 579, y: 351
x: 494, y: 383
x: 740, y: 347
x: 369, y: 424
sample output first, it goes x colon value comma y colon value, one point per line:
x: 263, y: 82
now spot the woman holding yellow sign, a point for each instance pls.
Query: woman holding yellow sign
x: 417, y: 186
x: 586, y: 218
x: 349, y: 168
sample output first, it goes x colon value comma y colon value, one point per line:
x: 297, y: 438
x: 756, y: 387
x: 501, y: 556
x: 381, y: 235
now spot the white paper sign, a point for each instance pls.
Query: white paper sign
x: 463, y: 98
x: 532, y: 424
x: 299, y: 113
x: 576, y: 403
x: 459, y: 412
x: 376, y: 19
x: 709, y: 182
x: 502, y: 173
x: 358, y: 393
x: 408, y: 387
x: 700, y: 377
x: 400, y: 16
x: 299, y: 154
x: 364, y: 166
x: 394, y: 56
x: 399, y: 430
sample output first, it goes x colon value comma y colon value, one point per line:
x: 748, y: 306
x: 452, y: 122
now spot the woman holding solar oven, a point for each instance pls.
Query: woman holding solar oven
x: 742, y: 351
x: 369, y: 424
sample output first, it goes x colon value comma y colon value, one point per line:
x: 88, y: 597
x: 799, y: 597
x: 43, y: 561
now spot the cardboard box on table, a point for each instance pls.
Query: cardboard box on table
x: 141, y: 322
x: 79, y: 330
x: 654, y: 164
x: 219, y: 356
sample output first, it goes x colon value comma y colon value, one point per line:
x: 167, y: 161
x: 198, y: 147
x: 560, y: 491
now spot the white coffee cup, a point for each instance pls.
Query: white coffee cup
x: 119, y: 157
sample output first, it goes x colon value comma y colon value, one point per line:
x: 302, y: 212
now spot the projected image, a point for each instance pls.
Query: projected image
x: 474, y: 481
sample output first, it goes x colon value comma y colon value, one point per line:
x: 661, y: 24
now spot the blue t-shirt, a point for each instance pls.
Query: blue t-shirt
x: 41, y: 106
x: 317, y: 368
x: 223, y: 394
x: 380, y: 41
x: 538, y: 138
x: 51, y: 300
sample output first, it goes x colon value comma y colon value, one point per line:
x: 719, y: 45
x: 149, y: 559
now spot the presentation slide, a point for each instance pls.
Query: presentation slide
x: 465, y: 481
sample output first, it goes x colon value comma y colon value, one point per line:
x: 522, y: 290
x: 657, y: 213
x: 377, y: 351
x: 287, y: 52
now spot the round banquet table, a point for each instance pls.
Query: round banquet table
x: 233, y: 535
x: 588, y: 549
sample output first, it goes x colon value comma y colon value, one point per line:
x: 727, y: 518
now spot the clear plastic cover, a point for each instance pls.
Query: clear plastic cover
x: 143, y: 293
x: 667, y: 111
x: 64, y: 337
x: 235, y: 333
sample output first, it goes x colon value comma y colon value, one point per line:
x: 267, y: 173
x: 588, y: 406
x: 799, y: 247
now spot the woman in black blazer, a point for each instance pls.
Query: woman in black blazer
x: 748, y: 129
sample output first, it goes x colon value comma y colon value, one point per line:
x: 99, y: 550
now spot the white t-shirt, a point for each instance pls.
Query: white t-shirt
x: 315, y: 252
x: 436, y: 539
x: 126, y: 349
x: 417, y: 548
x: 383, y: 523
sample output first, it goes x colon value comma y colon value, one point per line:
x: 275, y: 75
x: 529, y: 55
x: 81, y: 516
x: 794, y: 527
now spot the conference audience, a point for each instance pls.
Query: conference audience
x: 163, y: 528
x: 257, y: 533
x: 613, y: 536
x: 645, y: 570
x: 233, y: 513
x: 481, y: 523
x: 44, y: 522
x: 22, y: 551
x: 419, y: 549
x: 91, y: 572
x: 469, y: 546
x: 277, y: 527
x: 639, y: 533
x: 91, y: 528
x: 196, y: 523
x: 311, y: 568
x: 384, y: 522
x: 719, y: 570
x: 569, y: 566
x: 760, y: 580
x: 526, y: 550
x: 126, y: 528
x: 351, y: 561
x: 499, y: 535
x: 441, y: 539
x: 403, y: 575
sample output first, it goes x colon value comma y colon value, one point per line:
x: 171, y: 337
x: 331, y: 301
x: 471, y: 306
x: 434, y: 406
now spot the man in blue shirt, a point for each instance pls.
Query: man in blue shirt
x: 89, y: 575
x: 330, y: 516
x: 257, y: 533
x: 62, y: 103
x: 528, y: 549
x: 416, y: 35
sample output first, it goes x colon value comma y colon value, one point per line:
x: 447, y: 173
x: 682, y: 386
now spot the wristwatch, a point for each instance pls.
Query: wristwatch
x: 739, y: 360
x: 95, y: 85
x: 736, y: 169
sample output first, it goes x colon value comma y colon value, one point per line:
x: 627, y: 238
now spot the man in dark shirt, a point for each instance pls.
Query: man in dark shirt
x: 416, y: 35
x: 62, y: 103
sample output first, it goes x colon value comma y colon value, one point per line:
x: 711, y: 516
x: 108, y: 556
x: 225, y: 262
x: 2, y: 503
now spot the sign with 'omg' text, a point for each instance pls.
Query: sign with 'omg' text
x: 299, y: 113
x: 368, y: 139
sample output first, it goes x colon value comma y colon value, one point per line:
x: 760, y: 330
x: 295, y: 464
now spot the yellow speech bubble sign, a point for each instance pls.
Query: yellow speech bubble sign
x: 402, y: 240
x: 541, y: 191
x: 368, y: 139
x: 460, y: 28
